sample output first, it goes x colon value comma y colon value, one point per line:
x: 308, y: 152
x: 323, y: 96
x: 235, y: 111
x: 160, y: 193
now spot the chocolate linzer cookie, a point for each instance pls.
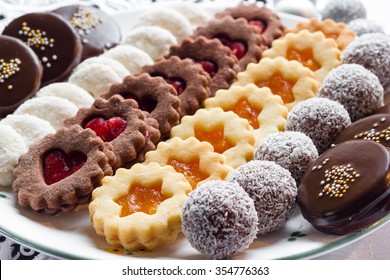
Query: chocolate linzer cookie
x: 20, y: 75
x: 154, y: 96
x: 60, y: 172
x: 52, y: 39
x: 244, y: 41
x: 98, y: 31
x: 266, y: 21
x: 375, y: 128
x: 346, y: 189
x: 216, y: 59
x: 188, y: 78
x: 119, y: 122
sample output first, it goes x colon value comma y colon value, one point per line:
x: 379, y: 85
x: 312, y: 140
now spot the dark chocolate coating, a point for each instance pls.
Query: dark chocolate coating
x: 375, y: 128
x: 367, y: 199
x: 25, y: 82
x: 105, y: 35
x: 59, y: 59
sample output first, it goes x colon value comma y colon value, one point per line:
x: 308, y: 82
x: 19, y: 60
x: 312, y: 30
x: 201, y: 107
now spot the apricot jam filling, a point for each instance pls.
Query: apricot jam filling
x: 279, y: 86
x: 215, y: 137
x: 304, y: 57
x: 244, y: 110
x: 190, y: 170
x: 141, y: 199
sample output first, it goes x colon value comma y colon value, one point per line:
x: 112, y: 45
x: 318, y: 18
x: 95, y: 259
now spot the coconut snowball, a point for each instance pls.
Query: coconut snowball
x: 363, y: 26
x: 344, y: 11
x: 321, y: 119
x: 219, y: 219
x: 115, y: 65
x: 291, y: 150
x: 272, y: 189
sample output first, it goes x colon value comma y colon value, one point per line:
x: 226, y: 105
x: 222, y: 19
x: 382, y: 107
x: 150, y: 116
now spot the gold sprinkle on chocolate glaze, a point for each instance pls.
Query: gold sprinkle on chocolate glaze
x: 374, y: 135
x: 8, y: 69
x: 84, y: 20
x: 36, y: 37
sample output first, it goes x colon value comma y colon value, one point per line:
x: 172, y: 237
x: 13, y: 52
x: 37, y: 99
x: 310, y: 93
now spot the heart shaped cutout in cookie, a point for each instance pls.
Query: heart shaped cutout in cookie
x: 237, y: 48
x: 260, y: 25
x: 58, y: 165
x: 107, y: 129
x: 177, y: 83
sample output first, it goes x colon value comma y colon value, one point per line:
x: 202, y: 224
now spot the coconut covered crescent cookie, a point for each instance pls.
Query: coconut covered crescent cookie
x: 313, y: 50
x: 196, y: 160
x: 289, y: 79
x: 264, y: 111
x: 140, y: 207
x: 229, y: 134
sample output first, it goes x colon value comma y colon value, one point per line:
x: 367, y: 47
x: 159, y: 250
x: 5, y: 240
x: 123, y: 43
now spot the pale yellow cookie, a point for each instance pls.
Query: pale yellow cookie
x: 264, y: 111
x: 313, y: 50
x: 196, y: 160
x: 335, y: 30
x: 288, y: 79
x: 139, y: 208
x: 229, y: 134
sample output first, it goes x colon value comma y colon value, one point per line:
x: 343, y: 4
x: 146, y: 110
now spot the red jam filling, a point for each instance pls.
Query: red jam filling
x: 107, y: 129
x: 237, y: 48
x: 208, y: 66
x: 147, y: 103
x: 177, y: 83
x: 260, y: 25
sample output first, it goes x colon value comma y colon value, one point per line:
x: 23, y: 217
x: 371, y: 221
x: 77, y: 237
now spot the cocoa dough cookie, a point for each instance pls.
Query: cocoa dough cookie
x: 60, y: 172
x: 20, y: 76
x: 215, y: 58
x: 244, y: 41
x: 98, y: 31
x: 53, y: 40
x: 153, y: 95
x: 187, y: 77
x: 117, y: 121
x: 266, y: 21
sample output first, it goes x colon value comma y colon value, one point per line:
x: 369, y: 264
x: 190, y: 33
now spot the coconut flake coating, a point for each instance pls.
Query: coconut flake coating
x: 372, y: 51
x: 319, y: 118
x: 292, y: 150
x: 354, y: 87
x: 344, y: 11
x: 272, y: 189
x: 219, y: 219
x: 362, y: 26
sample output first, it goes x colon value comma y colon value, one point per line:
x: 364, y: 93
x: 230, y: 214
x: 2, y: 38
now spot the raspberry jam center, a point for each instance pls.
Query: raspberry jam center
x: 147, y: 103
x: 304, y: 57
x: 107, y: 129
x: 141, y: 199
x: 58, y: 165
x: 237, y: 48
x: 215, y: 137
x: 244, y: 110
x: 208, y: 66
x: 279, y: 86
x: 190, y: 170
x: 177, y: 83
x: 260, y: 25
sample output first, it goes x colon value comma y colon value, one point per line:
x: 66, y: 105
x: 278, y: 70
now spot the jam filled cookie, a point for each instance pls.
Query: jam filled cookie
x: 139, y: 208
x: 196, y: 160
x: 264, y: 111
x: 98, y: 31
x: 288, y: 79
x: 244, y: 41
x: 153, y: 95
x: 347, y: 188
x: 215, y: 58
x: 117, y: 121
x: 20, y: 75
x: 266, y: 21
x: 331, y: 29
x: 313, y: 50
x: 53, y: 40
x: 188, y: 78
x: 225, y: 131
x: 59, y: 173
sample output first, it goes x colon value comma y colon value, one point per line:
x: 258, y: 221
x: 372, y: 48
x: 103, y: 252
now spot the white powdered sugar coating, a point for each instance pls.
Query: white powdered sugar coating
x: 50, y: 108
x: 292, y: 150
x: 344, y: 10
x: 319, y: 118
x: 354, y: 87
x: 272, y: 189
x: 219, y: 219
x: 31, y: 128
x: 363, y: 26
x: 11, y: 148
x: 372, y: 51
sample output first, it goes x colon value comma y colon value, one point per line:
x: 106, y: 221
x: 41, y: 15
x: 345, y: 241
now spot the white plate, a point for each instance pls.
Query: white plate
x: 71, y: 236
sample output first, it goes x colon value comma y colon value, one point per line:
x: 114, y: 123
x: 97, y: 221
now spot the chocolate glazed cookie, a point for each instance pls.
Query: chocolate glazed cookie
x: 347, y: 188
